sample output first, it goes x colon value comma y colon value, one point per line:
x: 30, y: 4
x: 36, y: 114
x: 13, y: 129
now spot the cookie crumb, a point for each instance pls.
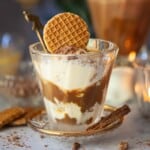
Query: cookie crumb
x: 76, y: 146
x: 14, y: 139
x: 123, y: 145
x: 45, y: 145
x: 42, y: 136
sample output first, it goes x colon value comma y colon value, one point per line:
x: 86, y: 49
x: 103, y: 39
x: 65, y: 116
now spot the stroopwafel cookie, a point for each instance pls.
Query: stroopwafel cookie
x: 65, y: 29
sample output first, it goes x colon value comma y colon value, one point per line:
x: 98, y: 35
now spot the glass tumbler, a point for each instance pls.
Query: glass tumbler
x: 74, y: 85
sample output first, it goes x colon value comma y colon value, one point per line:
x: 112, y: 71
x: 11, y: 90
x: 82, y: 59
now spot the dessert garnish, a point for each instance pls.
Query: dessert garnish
x: 65, y: 29
x: 111, y: 118
x: 70, y: 50
x: 37, y: 26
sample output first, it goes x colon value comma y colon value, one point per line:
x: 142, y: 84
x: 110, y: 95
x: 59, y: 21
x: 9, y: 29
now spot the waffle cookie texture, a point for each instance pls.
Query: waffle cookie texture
x: 65, y: 29
x: 29, y: 113
x: 9, y: 115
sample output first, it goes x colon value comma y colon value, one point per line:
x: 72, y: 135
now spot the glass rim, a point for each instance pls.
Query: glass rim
x: 112, y: 47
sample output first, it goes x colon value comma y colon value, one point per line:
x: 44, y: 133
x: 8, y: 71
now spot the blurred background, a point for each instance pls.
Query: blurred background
x: 125, y: 22
x: 12, y: 20
x: 106, y: 19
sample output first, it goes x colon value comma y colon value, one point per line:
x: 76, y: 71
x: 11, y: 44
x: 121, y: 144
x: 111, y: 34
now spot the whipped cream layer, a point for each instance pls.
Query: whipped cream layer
x: 59, y: 110
x: 70, y: 74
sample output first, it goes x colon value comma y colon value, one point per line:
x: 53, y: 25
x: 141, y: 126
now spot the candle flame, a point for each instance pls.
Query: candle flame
x: 146, y: 95
x: 132, y: 56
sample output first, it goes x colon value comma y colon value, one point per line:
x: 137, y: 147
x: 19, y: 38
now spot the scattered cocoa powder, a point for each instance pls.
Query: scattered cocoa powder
x: 14, y: 139
x: 145, y: 142
x: 70, y: 50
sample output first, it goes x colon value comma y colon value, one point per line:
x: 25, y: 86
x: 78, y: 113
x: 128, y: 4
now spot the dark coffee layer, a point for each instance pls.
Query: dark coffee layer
x: 84, y: 98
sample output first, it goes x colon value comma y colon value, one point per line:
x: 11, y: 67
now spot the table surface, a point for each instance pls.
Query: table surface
x: 135, y: 130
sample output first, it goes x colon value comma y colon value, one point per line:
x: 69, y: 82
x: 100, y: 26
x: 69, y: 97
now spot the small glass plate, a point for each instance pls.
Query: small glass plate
x: 40, y: 123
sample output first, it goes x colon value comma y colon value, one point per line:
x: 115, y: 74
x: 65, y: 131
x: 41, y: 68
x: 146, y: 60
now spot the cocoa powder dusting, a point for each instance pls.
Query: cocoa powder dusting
x: 145, y: 142
x: 14, y: 139
x: 70, y: 50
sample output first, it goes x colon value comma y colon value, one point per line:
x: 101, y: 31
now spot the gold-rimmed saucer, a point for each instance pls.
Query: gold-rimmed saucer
x: 40, y: 123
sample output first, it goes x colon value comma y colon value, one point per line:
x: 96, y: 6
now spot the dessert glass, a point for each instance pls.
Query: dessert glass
x: 74, y: 85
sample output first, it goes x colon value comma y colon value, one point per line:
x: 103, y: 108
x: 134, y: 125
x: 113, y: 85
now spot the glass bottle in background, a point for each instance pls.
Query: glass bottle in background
x: 125, y: 22
x: 11, y: 52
